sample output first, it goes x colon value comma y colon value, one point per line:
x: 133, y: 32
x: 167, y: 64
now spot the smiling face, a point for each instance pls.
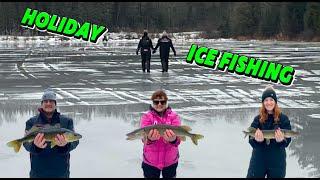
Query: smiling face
x: 160, y: 104
x: 48, y: 106
x: 269, y: 103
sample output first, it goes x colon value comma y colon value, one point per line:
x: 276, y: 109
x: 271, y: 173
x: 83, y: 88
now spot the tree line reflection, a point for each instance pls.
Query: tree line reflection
x: 305, y: 147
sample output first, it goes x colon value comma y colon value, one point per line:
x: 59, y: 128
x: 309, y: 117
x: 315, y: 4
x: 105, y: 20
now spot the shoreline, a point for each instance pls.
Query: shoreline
x: 183, y: 35
x: 277, y: 38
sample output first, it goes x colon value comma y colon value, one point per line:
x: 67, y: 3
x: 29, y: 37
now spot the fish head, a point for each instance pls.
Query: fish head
x: 136, y: 135
x: 71, y: 136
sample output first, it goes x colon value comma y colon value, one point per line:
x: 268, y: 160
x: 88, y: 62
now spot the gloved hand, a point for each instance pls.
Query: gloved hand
x: 154, y: 51
x: 137, y: 52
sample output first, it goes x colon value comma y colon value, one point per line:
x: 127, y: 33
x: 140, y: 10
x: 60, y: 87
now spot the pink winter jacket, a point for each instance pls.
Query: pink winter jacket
x: 160, y: 153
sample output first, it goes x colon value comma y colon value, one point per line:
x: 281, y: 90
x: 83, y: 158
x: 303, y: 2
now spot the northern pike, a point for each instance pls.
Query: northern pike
x: 180, y: 131
x: 269, y: 134
x: 49, y: 131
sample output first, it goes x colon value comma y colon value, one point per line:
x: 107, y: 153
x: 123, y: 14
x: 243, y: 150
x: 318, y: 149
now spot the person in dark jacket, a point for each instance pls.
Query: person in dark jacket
x: 269, y: 159
x: 47, y: 162
x: 165, y: 44
x: 145, y: 46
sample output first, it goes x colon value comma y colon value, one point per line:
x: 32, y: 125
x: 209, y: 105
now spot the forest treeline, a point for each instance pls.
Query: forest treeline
x: 259, y: 20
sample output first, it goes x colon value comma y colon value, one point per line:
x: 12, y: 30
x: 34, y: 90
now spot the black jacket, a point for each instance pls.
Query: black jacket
x: 49, y: 162
x: 273, y: 154
x: 165, y: 44
x: 145, y: 47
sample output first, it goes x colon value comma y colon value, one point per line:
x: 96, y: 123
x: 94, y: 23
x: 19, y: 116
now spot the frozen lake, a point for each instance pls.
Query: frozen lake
x: 103, y: 89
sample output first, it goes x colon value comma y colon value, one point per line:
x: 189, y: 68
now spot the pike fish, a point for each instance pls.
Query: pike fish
x: 181, y: 131
x: 50, y: 132
x: 269, y: 134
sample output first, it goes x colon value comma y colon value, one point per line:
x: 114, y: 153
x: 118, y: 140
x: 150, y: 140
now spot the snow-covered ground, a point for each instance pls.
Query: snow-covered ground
x: 102, y: 88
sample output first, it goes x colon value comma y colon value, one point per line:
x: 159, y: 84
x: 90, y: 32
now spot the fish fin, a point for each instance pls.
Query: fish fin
x: 195, y: 138
x: 16, y: 144
x: 182, y: 138
x: 40, y: 125
x: 268, y: 141
x: 53, y: 143
x: 57, y: 125
x: 34, y: 128
x: 245, y: 134
x: 187, y: 128
x: 46, y: 126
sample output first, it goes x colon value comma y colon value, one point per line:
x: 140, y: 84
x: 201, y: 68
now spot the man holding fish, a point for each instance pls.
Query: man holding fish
x: 49, y: 158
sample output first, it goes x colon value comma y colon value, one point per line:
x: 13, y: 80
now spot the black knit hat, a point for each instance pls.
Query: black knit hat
x: 269, y: 92
x: 145, y: 33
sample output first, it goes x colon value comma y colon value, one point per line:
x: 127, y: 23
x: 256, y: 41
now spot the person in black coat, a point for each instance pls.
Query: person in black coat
x: 49, y: 162
x: 145, y: 46
x: 165, y: 44
x: 269, y: 159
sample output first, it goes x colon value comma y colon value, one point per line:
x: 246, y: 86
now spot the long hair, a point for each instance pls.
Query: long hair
x: 264, y: 113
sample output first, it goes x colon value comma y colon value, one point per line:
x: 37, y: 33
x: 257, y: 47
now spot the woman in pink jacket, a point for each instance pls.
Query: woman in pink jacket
x: 160, y: 153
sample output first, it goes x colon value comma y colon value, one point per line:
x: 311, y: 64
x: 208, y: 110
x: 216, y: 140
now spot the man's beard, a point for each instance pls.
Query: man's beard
x: 49, y: 114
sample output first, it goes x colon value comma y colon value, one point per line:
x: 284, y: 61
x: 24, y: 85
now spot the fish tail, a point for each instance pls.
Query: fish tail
x: 195, y: 138
x: 245, y: 134
x: 16, y: 144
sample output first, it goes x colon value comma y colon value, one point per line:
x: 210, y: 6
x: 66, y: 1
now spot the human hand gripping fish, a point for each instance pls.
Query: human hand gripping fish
x: 154, y: 132
x: 278, y: 134
x: 39, y: 135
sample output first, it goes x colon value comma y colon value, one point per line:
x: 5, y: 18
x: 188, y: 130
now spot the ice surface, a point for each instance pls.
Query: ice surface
x: 101, y: 86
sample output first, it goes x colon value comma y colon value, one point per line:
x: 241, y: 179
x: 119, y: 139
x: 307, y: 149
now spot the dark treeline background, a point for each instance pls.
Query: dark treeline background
x: 280, y: 20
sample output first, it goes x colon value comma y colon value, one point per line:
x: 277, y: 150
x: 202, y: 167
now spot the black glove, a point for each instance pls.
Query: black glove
x: 154, y: 51
x: 174, y: 54
x: 137, y: 52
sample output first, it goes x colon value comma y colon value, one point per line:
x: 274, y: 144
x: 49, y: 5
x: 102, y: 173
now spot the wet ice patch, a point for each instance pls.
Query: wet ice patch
x: 296, y: 104
x: 317, y: 72
x: 113, y: 80
x: 300, y: 72
x: 317, y: 116
x: 28, y: 86
x: 71, y: 68
x: 67, y: 93
x: 26, y: 95
x: 216, y: 106
x: 312, y: 79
